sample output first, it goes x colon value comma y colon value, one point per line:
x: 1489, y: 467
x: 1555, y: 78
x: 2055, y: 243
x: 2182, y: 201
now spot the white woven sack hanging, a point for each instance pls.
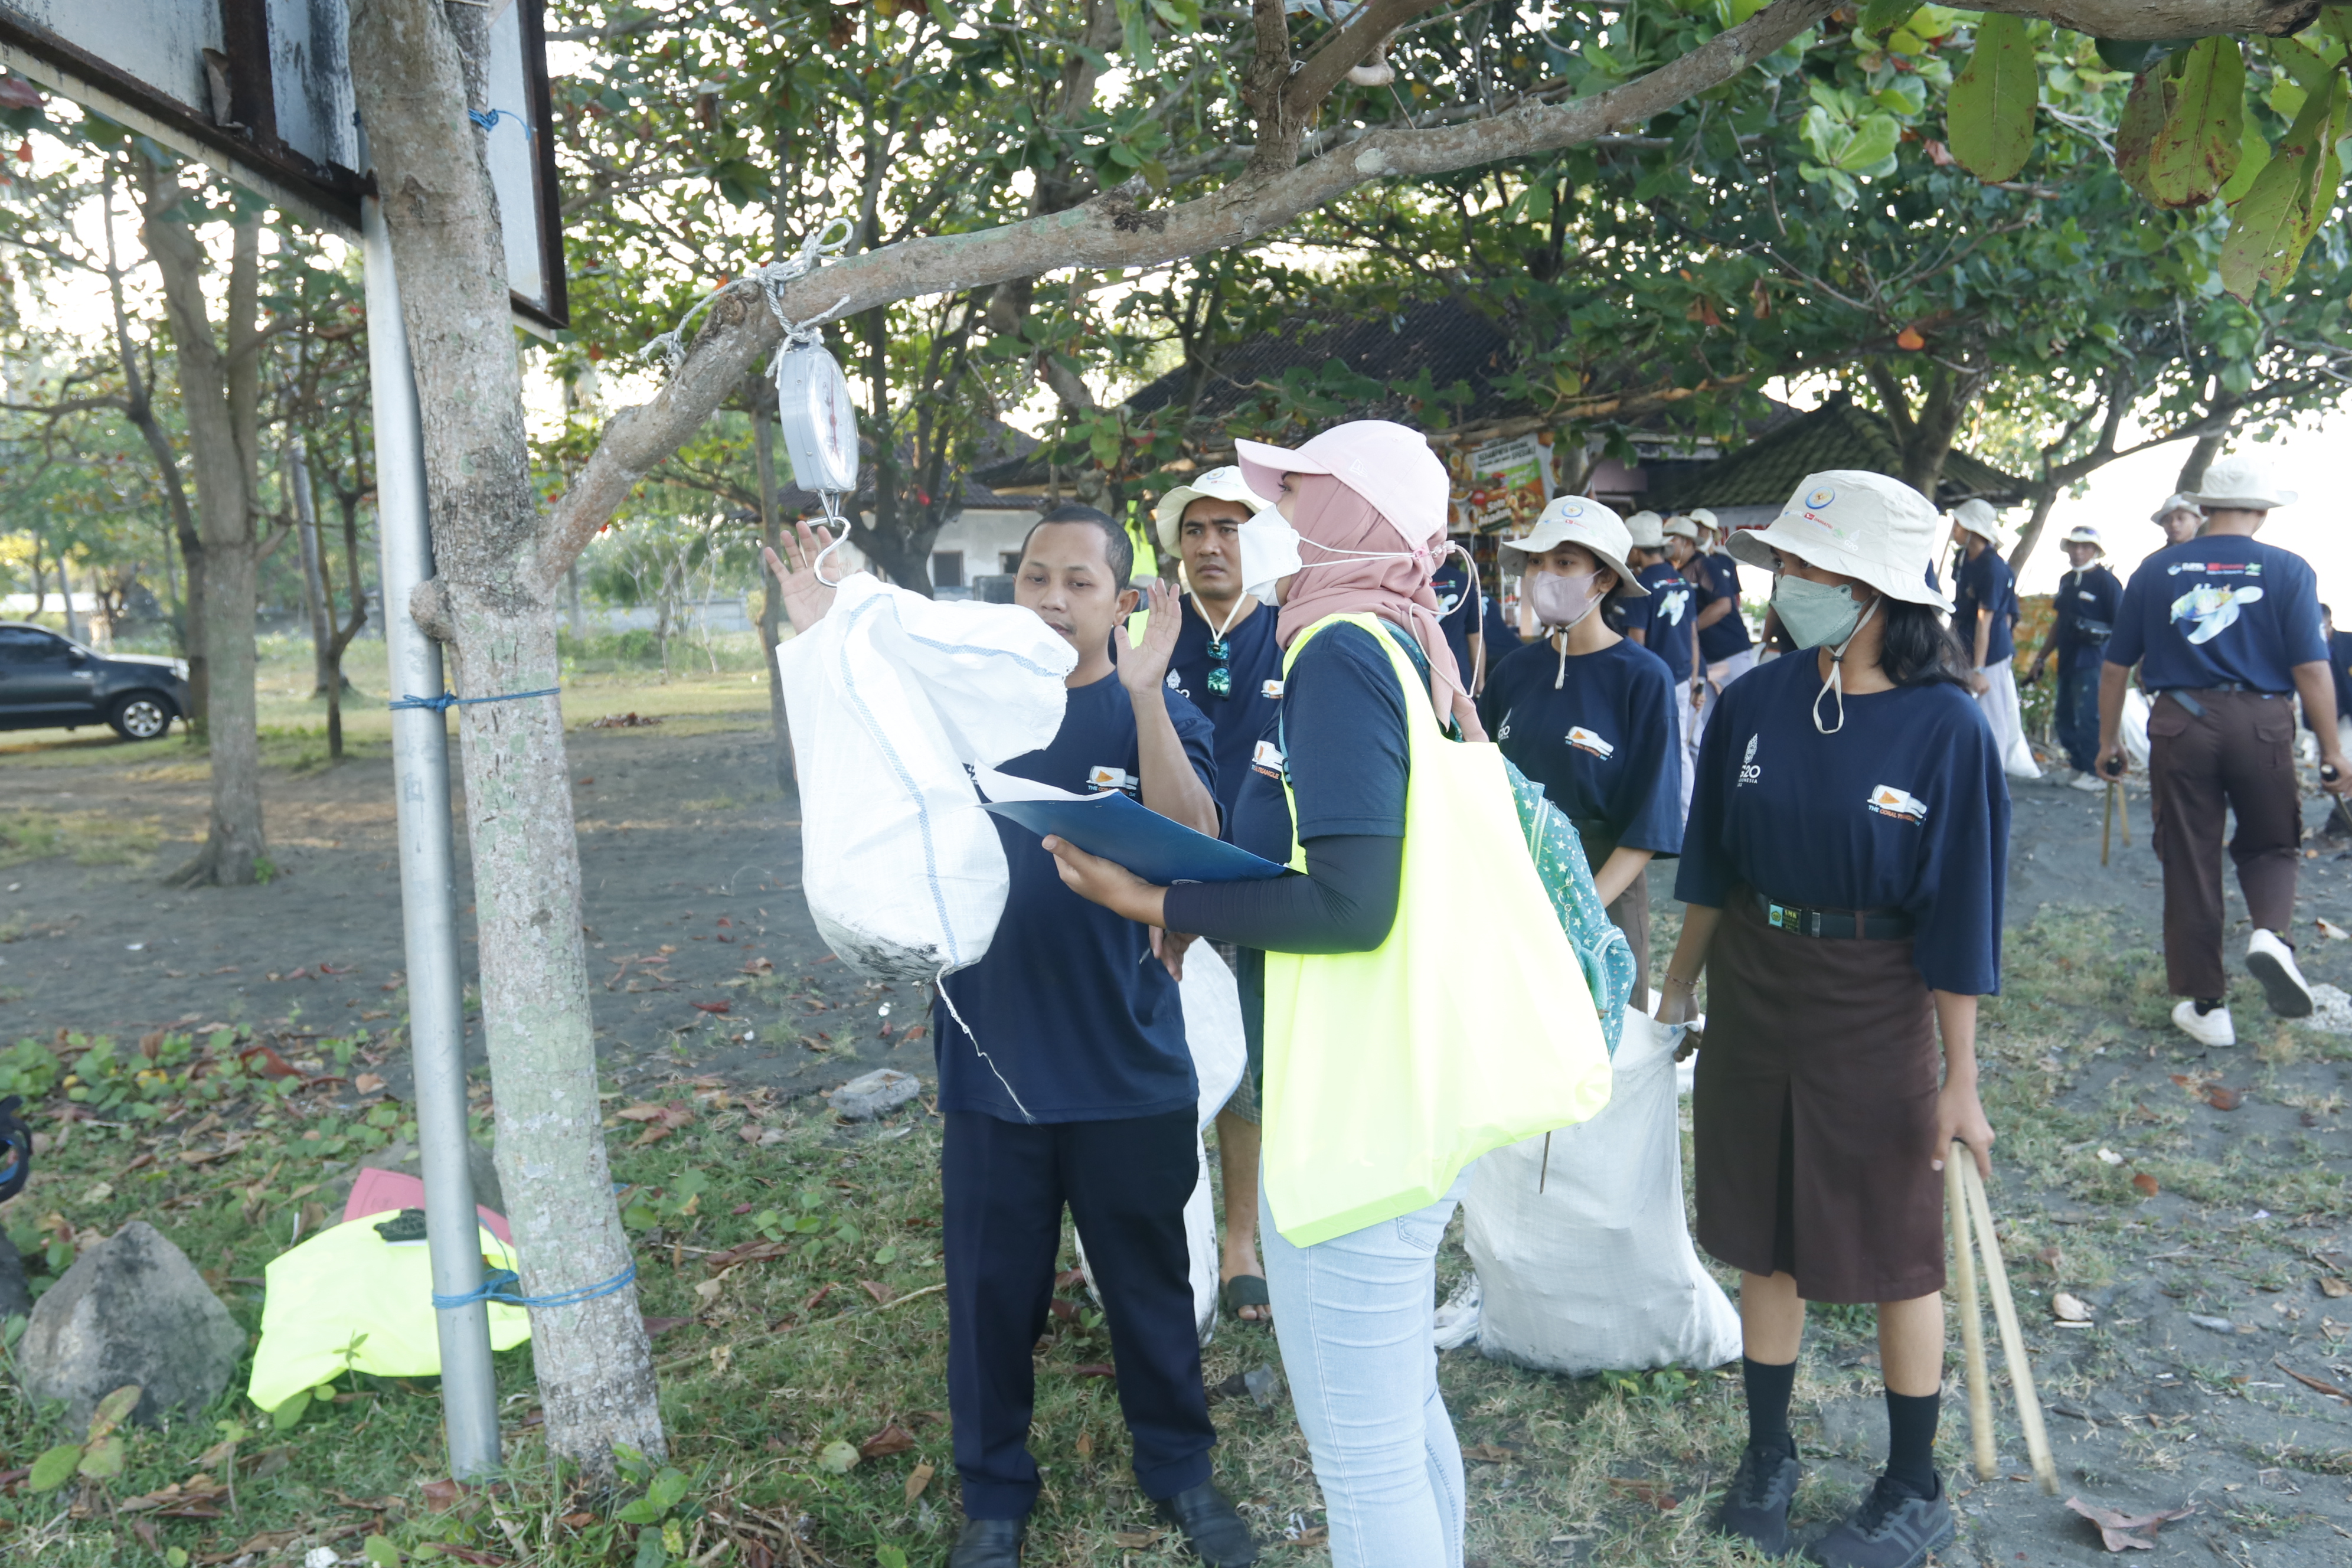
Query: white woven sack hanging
x: 1584, y: 1261
x: 891, y: 697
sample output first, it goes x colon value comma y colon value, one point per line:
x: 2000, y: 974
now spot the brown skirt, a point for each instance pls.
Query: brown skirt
x: 1814, y: 1112
x: 1628, y: 911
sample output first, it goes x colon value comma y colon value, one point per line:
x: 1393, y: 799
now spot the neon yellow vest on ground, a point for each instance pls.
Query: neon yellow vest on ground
x: 1471, y: 1026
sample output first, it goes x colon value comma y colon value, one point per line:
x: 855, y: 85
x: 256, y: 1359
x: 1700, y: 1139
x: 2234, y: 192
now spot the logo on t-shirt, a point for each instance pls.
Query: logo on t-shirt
x: 1268, y: 759
x: 1176, y: 685
x: 1670, y: 605
x: 1901, y: 804
x: 1102, y: 776
x: 1271, y: 690
x: 2210, y: 611
x: 1584, y: 739
x: 1749, y: 772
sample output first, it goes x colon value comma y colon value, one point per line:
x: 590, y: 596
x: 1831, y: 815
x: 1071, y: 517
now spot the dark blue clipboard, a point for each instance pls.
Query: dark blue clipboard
x: 1161, y: 851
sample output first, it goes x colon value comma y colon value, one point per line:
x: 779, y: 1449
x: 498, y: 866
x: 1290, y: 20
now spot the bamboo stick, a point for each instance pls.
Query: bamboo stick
x: 1964, y: 1268
x: 2012, y: 1337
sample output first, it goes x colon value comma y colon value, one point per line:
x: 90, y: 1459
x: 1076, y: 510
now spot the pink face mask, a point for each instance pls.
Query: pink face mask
x: 1561, y: 601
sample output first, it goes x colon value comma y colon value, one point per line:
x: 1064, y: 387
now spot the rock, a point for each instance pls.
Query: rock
x: 877, y: 1093
x: 132, y: 1309
x: 403, y: 1156
x: 15, y: 1296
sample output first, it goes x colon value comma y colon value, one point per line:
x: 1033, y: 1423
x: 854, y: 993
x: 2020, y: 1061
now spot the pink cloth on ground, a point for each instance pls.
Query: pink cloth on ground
x: 383, y: 1192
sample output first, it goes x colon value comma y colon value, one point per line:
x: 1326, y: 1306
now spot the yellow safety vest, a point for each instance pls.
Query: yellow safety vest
x: 1471, y: 1026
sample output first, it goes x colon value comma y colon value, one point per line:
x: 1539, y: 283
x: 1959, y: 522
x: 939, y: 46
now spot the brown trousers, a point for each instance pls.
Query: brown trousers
x: 2239, y: 756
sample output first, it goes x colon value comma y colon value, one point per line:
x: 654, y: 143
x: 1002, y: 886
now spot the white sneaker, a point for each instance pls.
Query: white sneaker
x: 2212, y: 1028
x: 2089, y: 784
x: 2272, y: 963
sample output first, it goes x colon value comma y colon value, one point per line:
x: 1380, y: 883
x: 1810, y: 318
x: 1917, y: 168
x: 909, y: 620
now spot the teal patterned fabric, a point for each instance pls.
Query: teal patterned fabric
x: 1602, y: 949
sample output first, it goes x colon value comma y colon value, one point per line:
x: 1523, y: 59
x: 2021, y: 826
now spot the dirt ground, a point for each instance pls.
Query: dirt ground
x: 2212, y: 1247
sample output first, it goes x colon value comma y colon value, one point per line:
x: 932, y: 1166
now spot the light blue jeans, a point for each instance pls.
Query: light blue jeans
x: 1354, y: 1318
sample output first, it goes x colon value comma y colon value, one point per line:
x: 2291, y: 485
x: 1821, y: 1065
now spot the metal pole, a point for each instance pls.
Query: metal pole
x: 428, y: 903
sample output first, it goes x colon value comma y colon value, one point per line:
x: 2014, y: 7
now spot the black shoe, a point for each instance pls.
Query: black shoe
x: 989, y: 1543
x: 1894, y: 1528
x: 1756, y: 1505
x: 1210, y: 1523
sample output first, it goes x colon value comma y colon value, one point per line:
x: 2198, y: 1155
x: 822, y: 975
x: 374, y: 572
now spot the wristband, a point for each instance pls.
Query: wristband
x: 1674, y: 980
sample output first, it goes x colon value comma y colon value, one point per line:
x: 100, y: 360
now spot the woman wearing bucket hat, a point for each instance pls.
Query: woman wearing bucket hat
x: 1666, y: 622
x: 1384, y: 1073
x: 2226, y: 631
x: 1844, y: 872
x: 1984, y: 617
x: 1229, y: 664
x: 1588, y: 715
x: 2084, y: 617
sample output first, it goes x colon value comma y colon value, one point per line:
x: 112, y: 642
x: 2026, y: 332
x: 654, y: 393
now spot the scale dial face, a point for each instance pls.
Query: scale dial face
x: 819, y: 422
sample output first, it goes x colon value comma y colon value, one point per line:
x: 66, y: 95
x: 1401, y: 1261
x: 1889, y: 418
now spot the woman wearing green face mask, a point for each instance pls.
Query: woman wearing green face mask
x: 1842, y: 869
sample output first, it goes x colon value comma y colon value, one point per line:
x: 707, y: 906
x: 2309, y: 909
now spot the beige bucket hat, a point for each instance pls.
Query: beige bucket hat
x: 1858, y: 524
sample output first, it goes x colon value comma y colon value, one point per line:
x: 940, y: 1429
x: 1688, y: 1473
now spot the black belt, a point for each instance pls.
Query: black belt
x: 1805, y: 921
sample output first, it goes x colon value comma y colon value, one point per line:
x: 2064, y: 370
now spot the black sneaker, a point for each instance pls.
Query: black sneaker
x: 1756, y: 1505
x: 1894, y: 1528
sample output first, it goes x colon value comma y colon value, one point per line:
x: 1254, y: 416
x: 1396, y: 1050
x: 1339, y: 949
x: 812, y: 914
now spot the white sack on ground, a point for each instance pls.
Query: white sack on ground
x: 1596, y: 1272
x: 2001, y: 710
x: 1213, y: 1029
x: 889, y: 697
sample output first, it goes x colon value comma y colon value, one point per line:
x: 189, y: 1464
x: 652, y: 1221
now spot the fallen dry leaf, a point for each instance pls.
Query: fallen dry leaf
x: 650, y: 1135
x: 2331, y: 1286
x: 2116, y: 1530
x: 713, y: 1006
x: 1094, y: 1369
x: 2220, y: 1097
x: 2333, y: 932
x: 883, y: 1294
x: 917, y: 1479
x: 441, y: 1496
x: 2070, y: 1309
x: 1085, y: 1445
x: 757, y: 966
x: 2147, y: 1184
x: 368, y: 1083
x: 1651, y: 1492
x: 2320, y: 1383
x: 892, y: 1439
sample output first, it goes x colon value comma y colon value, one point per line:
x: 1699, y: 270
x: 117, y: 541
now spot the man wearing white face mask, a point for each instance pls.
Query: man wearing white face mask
x: 1229, y: 664
x: 1844, y: 872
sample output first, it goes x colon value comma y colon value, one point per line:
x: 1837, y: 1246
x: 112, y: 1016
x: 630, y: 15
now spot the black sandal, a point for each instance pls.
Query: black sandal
x: 1245, y: 1290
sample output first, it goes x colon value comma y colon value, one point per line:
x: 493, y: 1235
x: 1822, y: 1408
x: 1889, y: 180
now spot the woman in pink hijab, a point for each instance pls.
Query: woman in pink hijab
x: 1367, y: 503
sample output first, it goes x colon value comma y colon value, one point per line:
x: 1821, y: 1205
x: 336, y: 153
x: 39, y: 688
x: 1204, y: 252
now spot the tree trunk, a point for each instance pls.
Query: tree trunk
x: 497, y: 611
x: 572, y: 603
x: 314, y: 588
x: 220, y: 394
x: 772, y: 602
x: 65, y: 592
x: 2200, y: 458
x: 2045, y: 496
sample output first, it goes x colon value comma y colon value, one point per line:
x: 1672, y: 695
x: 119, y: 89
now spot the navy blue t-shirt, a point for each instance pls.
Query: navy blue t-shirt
x: 1664, y: 618
x: 2219, y: 610
x: 1070, y: 1006
x: 1984, y: 585
x: 1904, y: 809
x: 1718, y: 577
x: 1502, y: 636
x: 1603, y: 744
x: 2090, y: 594
x: 1254, y: 666
x: 1457, y: 610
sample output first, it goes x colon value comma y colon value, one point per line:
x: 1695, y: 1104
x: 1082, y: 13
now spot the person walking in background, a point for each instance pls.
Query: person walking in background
x: 2339, y: 666
x: 1984, y: 619
x: 1844, y: 872
x: 1687, y: 553
x: 2179, y: 517
x: 2084, y: 607
x: 1228, y: 665
x: 1460, y: 615
x: 2226, y: 630
x: 1666, y: 622
x: 1588, y: 715
x: 1725, y: 652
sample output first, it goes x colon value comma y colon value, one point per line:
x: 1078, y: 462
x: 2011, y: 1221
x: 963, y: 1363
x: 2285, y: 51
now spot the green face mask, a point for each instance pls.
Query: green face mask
x: 1818, y: 616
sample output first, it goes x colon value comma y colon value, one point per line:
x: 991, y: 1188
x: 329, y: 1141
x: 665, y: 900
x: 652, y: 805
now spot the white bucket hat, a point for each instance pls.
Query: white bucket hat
x: 1706, y: 520
x: 2083, y: 533
x: 1684, y: 526
x: 1580, y: 520
x: 2178, y: 501
x: 1217, y: 484
x: 1643, y: 528
x: 2240, y: 483
x: 1979, y: 518
x: 1389, y: 465
x: 1858, y: 524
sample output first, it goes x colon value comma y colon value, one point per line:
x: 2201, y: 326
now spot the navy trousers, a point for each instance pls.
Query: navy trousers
x: 1125, y: 1182
x: 2077, y: 713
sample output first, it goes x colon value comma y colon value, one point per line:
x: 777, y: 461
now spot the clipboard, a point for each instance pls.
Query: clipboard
x: 1159, y: 849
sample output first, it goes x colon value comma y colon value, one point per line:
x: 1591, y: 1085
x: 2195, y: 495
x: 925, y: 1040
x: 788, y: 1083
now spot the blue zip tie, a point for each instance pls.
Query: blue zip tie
x: 448, y: 699
x: 489, y: 118
x: 495, y: 1288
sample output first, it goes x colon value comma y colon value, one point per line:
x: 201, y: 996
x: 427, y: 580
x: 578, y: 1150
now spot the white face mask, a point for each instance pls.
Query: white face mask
x: 1269, y: 552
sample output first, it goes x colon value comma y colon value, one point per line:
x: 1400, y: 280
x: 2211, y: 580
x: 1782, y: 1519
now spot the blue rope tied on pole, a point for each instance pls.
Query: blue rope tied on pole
x: 488, y: 118
x: 497, y: 1286
x: 448, y: 699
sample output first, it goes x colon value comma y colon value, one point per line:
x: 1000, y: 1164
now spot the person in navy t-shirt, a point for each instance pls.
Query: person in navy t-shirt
x: 1666, y: 623
x: 1065, y: 1078
x: 1459, y: 614
x: 1228, y: 665
x: 1843, y: 876
x: 1984, y: 618
x: 1588, y: 715
x: 2083, y: 617
x: 2226, y: 632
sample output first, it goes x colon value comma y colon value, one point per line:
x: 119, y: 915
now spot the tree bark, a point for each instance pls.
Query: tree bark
x: 2200, y: 458
x: 771, y: 601
x: 219, y: 392
x: 493, y: 602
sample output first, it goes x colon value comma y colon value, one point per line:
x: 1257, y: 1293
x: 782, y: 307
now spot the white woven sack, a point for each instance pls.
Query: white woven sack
x: 890, y: 697
x: 1596, y: 1272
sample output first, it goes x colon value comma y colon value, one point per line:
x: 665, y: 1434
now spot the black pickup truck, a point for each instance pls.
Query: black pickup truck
x: 47, y: 682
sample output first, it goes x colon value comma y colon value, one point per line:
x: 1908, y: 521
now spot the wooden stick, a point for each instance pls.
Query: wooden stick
x: 2123, y: 809
x: 2107, y: 825
x: 1964, y: 1269
x: 2012, y: 1337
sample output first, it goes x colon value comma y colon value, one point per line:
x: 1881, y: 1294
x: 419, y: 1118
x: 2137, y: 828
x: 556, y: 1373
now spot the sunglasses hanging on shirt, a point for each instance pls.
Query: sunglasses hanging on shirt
x: 1221, y: 675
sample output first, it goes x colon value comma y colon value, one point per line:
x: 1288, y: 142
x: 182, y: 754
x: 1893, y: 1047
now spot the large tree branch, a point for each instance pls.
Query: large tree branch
x: 1112, y: 231
x: 2158, y: 20
x: 1325, y: 68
